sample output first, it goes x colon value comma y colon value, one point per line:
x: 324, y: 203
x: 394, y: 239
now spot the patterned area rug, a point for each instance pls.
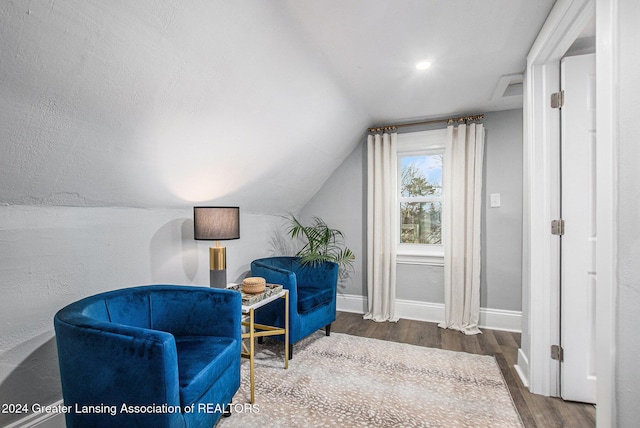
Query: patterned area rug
x: 351, y: 381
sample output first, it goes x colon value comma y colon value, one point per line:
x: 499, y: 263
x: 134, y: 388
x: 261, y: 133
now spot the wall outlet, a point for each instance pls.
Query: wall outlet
x: 495, y: 200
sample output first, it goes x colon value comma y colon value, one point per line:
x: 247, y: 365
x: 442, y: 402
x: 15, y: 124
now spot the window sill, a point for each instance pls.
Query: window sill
x: 420, y: 259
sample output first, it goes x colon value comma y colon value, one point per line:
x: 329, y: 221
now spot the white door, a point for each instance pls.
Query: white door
x: 578, y: 244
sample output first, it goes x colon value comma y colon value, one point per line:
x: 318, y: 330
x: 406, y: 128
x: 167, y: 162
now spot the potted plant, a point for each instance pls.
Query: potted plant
x: 321, y: 243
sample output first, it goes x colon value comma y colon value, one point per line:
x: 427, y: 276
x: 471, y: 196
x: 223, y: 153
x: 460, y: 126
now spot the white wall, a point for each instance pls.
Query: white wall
x: 151, y: 104
x: 52, y: 256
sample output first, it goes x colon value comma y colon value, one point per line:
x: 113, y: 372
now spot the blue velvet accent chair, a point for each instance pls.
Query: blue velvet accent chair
x: 157, y: 345
x: 312, y: 295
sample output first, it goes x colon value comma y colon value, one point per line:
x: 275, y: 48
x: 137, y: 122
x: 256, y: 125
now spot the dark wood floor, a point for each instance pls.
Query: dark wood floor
x: 535, y: 410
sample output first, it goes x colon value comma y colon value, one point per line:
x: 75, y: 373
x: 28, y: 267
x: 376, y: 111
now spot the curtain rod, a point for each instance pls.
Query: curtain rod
x: 427, y: 122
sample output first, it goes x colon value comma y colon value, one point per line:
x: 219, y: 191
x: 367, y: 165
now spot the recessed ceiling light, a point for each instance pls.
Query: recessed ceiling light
x: 423, y: 65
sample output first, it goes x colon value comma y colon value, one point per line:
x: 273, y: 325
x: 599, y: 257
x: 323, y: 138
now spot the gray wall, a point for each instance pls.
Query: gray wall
x: 502, y: 227
x: 628, y: 299
x: 341, y: 202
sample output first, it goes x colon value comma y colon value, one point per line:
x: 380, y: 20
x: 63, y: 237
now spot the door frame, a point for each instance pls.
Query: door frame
x: 541, y: 262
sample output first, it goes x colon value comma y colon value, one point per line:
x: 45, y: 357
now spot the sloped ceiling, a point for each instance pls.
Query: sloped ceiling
x: 252, y: 103
x: 374, y: 46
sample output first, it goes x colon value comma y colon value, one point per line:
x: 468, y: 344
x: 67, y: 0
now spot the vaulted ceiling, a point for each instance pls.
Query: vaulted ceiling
x: 255, y: 103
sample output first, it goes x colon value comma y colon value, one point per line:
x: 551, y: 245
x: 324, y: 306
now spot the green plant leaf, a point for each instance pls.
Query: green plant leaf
x: 320, y: 243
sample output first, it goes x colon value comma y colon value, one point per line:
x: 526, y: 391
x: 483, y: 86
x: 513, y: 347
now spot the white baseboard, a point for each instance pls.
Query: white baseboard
x: 419, y: 311
x: 522, y: 368
x: 501, y: 319
x: 351, y: 303
x: 41, y: 420
x: 493, y: 319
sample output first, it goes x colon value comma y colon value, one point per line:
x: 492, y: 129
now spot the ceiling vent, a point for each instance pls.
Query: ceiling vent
x: 509, y: 86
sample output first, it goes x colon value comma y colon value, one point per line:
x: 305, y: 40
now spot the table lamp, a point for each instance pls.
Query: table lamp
x: 216, y: 224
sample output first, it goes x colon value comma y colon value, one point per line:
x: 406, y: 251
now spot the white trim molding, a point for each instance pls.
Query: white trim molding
x: 607, y: 57
x: 493, y: 319
x: 540, y: 289
x: 522, y: 368
x: 351, y: 303
x: 541, y: 257
x: 420, y: 259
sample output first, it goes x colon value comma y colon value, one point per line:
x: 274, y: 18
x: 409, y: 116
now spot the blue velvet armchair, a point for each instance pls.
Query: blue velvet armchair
x: 312, y: 295
x: 149, y: 356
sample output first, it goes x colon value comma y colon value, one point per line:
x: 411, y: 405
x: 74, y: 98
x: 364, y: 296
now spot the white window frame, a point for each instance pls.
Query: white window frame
x: 420, y: 143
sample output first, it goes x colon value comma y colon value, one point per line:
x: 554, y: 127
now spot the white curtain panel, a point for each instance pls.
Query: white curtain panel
x: 461, y: 227
x: 382, y: 227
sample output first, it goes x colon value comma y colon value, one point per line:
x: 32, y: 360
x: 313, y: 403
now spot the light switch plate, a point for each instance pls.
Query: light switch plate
x: 495, y: 200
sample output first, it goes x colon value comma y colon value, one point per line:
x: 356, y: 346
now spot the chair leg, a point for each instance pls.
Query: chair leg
x: 290, y: 350
x: 327, y: 330
x: 260, y: 340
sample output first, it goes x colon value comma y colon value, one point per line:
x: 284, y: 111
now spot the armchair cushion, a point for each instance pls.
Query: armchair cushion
x: 201, y: 361
x: 309, y: 298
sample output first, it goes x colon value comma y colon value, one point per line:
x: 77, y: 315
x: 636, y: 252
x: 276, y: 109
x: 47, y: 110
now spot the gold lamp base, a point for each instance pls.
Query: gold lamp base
x: 217, y: 258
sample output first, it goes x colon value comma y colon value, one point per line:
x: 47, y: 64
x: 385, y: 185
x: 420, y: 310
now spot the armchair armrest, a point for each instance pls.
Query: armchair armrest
x: 276, y: 275
x: 111, y: 361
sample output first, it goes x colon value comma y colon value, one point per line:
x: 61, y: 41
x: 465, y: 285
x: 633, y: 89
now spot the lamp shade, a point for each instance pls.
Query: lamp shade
x: 216, y: 223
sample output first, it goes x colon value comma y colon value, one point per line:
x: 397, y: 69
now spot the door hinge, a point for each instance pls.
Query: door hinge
x: 557, y: 99
x: 557, y: 353
x: 557, y: 227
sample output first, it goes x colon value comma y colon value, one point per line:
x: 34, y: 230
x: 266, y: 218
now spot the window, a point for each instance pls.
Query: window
x: 421, y: 196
